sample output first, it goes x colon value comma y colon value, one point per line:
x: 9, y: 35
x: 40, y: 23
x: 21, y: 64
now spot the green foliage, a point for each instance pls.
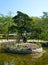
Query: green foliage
x: 23, y: 24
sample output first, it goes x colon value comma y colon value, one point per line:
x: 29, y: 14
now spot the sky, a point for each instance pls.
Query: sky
x: 30, y: 7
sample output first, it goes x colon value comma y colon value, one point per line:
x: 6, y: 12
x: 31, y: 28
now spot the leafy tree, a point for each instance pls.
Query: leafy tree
x: 6, y: 22
x: 23, y: 23
x: 45, y: 14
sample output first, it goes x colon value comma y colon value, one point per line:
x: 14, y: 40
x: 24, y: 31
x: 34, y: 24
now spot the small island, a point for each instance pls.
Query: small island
x: 21, y: 48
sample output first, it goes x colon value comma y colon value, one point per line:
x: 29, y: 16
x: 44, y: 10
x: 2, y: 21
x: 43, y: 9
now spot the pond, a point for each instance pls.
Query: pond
x: 24, y: 59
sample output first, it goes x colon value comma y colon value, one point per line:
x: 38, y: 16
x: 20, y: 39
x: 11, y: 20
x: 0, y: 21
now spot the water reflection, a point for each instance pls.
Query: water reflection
x: 5, y: 63
x: 36, y: 56
x: 22, y: 59
x: 9, y: 63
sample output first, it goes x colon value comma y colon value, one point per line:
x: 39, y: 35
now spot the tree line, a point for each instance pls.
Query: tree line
x: 25, y: 26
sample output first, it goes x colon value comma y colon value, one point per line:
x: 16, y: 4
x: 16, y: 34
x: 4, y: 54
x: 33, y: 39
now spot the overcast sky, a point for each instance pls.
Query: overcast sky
x: 30, y: 7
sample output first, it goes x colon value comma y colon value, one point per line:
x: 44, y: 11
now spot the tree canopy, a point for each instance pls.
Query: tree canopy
x: 22, y: 24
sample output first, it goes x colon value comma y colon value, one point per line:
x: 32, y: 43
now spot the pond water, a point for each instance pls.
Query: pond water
x: 21, y: 59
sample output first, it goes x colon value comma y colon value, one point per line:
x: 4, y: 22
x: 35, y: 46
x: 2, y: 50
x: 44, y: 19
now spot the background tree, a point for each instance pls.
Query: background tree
x: 22, y: 24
